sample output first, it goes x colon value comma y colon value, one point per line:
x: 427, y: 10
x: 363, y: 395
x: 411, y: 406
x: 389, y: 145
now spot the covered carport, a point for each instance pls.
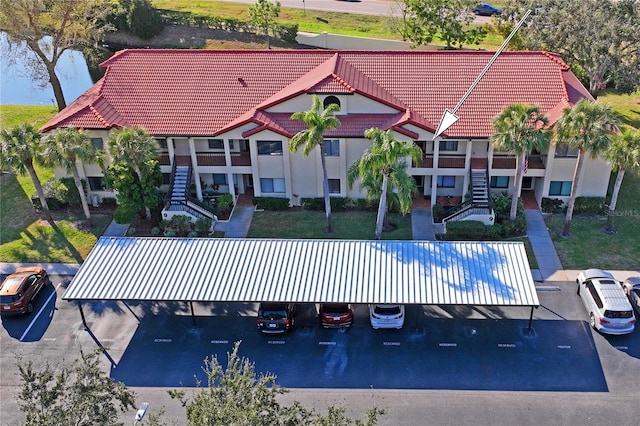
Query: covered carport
x: 305, y: 271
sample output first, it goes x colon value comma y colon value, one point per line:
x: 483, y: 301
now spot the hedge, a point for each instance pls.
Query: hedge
x: 338, y: 204
x: 271, y: 203
x: 590, y: 205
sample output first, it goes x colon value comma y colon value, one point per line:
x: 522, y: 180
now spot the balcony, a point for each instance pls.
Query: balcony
x: 210, y: 159
x: 508, y: 162
x: 240, y: 159
x: 451, y: 162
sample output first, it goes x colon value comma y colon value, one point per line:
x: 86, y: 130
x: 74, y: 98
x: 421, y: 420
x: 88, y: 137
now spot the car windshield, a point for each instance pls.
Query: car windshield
x: 273, y: 311
x: 618, y: 314
x: 335, y: 309
x: 11, y: 284
x: 392, y: 310
x: 9, y: 299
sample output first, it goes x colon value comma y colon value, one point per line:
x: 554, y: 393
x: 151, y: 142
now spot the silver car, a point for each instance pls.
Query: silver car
x: 609, y: 309
x: 631, y: 287
x: 386, y: 316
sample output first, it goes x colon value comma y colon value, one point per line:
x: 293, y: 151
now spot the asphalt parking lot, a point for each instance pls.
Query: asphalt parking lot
x: 444, y: 348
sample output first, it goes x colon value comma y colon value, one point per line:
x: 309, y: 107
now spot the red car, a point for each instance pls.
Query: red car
x: 336, y: 315
x: 20, y: 288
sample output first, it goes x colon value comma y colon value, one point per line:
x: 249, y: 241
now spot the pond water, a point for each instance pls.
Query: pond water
x: 17, y: 88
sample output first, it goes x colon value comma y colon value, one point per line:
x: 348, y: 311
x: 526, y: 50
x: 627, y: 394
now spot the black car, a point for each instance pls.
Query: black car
x: 275, y: 317
x: 485, y: 9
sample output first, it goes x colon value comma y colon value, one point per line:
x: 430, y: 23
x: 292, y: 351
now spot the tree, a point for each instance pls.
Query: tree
x: 263, y: 14
x: 69, y: 24
x: 318, y: 121
x: 519, y: 129
x: 624, y: 154
x: 587, y: 127
x: 236, y: 395
x: 81, y: 394
x: 64, y: 148
x: 134, y: 151
x: 20, y: 146
x: 599, y: 39
x: 385, y: 163
x: 446, y: 20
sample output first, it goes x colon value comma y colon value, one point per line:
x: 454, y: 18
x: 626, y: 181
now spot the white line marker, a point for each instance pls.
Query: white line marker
x: 327, y: 343
x: 219, y: 342
x: 391, y: 343
x: 49, y: 339
x: 162, y: 340
x: 448, y: 345
x: 506, y: 345
x: 564, y: 346
x: 623, y: 348
x: 276, y: 342
x: 33, y: 321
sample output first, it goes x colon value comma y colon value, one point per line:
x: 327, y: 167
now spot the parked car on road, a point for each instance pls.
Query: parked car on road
x: 386, y: 316
x: 336, y: 315
x: 486, y: 9
x: 19, y: 290
x: 609, y: 309
x: 631, y: 287
x: 275, y: 317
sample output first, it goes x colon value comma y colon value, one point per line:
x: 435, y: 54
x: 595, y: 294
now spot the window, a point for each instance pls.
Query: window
x: 268, y: 185
x: 331, y: 100
x: 269, y: 148
x: 97, y: 143
x: 565, y: 151
x: 448, y: 145
x: 560, y: 187
x: 96, y: 183
x: 331, y: 147
x: 446, y: 181
x: 595, y: 295
x: 499, y: 182
x: 215, y: 143
x: 219, y: 179
x: 334, y: 186
x: 162, y: 142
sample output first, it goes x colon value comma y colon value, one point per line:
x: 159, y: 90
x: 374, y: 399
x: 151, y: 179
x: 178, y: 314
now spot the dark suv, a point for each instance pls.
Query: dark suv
x: 20, y: 288
x: 275, y: 317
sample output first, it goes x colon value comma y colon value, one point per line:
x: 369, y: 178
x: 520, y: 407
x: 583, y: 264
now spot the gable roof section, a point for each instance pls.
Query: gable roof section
x: 202, y: 92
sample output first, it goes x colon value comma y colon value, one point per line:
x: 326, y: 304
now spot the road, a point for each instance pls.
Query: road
x: 451, y: 364
x: 364, y: 7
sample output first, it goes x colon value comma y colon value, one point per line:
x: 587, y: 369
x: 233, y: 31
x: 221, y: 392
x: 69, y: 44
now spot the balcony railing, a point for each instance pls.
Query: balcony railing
x: 509, y: 162
x: 210, y: 158
x: 240, y: 159
x: 207, y: 159
x: 451, y: 162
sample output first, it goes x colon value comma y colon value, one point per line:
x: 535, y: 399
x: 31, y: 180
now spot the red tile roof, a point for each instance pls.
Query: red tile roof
x: 207, y: 92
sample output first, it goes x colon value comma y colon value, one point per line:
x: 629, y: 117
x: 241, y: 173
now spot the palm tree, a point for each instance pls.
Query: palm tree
x: 19, y: 147
x: 587, y: 127
x: 64, y: 149
x: 318, y: 121
x: 382, y: 169
x: 134, y: 148
x: 519, y: 129
x: 624, y: 153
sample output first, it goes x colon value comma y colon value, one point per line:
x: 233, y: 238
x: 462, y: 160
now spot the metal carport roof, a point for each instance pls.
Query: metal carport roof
x: 313, y: 271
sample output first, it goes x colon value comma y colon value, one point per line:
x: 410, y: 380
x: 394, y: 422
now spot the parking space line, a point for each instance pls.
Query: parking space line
x: 447, y: 345
x: 622, y: 348
x: 33, y: 321
x: 327, y: 343
x: 564, y: 346
x: 219, y: 342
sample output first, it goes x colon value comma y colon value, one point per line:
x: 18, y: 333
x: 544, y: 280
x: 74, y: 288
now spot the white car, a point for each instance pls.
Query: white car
x: 386, y: 316
x: 609, y: 309
x: 631, y: 287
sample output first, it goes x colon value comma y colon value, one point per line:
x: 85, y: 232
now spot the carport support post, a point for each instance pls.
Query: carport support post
x: 84, y: 321
x: 193, y: 316
x: 530, y: 319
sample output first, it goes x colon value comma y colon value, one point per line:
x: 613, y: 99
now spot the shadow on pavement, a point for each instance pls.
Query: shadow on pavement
x: 461, y: 354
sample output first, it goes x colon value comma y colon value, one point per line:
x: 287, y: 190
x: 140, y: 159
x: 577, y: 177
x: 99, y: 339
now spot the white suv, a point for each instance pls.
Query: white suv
x: 386, y: 316
x: 609, y: 309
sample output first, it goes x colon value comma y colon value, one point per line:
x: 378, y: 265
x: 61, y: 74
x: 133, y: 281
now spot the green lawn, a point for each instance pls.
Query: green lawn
x: 589, y: 247
x: 311, y: 224
x: 628, y: 106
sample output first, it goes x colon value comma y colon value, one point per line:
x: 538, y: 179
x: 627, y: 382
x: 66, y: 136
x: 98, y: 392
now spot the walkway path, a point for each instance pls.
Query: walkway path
x: 549, y: 266
x: 422, y: 224
x: 115, y: 230
x: 240, y: 221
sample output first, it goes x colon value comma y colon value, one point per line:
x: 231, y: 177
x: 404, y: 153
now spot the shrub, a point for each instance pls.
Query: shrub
x: 155, y: 231
x: 287, y: 33
x: 338, y: 204
x: 124, y: 214
x: 203, y: 225
x: 59, y: 193
x: 224, y: 201
x: 516, y: 228
x: 362, y: 204
x: 472, y: 230
x: 439, y: 212
x: 552, y: 205
x: 170, y: 233
x: 271, y: 203
x: 590, y: 205
x: 143, y: 19
x: 493, y: 233
x: 180, y: 224
x: 109, y: 201
x: 192, y: 234
x: 131, y: 230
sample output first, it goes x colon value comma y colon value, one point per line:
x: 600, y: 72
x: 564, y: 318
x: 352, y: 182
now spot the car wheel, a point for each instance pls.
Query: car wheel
x: 592, y: 321
x: 30, y: 307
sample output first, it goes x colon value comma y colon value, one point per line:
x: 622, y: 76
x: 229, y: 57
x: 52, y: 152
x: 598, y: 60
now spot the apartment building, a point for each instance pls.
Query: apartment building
x: 224, y: 117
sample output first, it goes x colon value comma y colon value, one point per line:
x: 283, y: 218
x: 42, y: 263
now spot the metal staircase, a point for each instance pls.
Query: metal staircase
x: 479, y: 206
x: 178, y: 199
